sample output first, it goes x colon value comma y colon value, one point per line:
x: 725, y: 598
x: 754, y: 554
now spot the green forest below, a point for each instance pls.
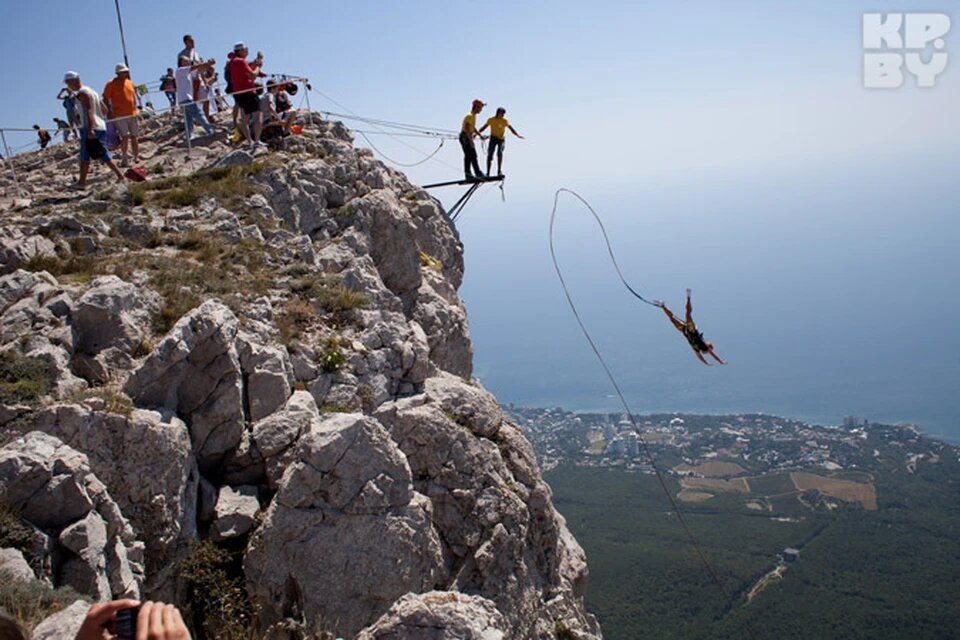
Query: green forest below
x: 892, y: 573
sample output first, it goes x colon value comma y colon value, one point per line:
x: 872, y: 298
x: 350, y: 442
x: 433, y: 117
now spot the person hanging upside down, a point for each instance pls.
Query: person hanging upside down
x: 689, y: 331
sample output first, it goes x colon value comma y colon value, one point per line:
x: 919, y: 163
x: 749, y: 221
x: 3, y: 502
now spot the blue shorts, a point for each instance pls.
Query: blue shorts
x: 101, y: 135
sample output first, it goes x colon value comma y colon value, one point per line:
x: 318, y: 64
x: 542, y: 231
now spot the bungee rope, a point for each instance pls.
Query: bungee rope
x: 623, y: 401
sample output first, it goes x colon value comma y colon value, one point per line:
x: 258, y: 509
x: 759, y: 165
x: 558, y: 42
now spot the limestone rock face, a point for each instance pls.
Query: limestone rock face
x: 439, y: 615
x: 306, y: 403
x: 195, y: 371
x: 113, y: 314
x: 54, y: 489
x: 345, y: 509
x: 146, y: 462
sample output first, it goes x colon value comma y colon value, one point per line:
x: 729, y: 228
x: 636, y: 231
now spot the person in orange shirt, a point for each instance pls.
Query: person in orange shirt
x: 121, y: 98
x: 498, y: 138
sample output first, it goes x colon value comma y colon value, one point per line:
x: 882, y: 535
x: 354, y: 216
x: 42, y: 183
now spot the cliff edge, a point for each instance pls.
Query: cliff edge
x: 263, y: 358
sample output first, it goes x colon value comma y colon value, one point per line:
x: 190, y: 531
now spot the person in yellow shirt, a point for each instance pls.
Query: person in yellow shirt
x: 468, y: 129
x: 121, y: 98
x: 498, y: 133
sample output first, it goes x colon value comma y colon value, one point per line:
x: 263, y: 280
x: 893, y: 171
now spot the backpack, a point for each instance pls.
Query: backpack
x: 136, y: 174
x: 226, y: 76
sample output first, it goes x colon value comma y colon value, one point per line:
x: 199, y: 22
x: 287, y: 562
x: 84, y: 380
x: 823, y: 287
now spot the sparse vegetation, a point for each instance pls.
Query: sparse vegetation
x: 14, y: 532
x: 30, y: 601
x: 218, y: 606
x: 23, y: 379
x: 426, y: 260
x: 114, y: 400
x: 228, y: 185
x: 294, y: 317
x: 331, y: 357
x: 330, y: 293
x: 80, y: 268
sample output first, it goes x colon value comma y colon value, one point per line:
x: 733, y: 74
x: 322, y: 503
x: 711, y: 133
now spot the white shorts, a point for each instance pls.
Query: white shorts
x: 127, y: 126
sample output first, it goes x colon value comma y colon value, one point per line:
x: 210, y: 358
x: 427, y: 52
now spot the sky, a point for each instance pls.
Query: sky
x: 729, y: 145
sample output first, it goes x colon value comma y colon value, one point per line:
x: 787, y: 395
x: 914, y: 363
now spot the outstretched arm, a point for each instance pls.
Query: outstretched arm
x: 514, y: 131
x: 482, y: 128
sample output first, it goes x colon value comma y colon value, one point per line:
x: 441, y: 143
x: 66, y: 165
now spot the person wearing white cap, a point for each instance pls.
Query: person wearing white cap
x: 121, y: 97
x: 242, y: 77
x: 93, y: 128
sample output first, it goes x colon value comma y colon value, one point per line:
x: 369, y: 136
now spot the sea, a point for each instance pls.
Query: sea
x: 831, y: 292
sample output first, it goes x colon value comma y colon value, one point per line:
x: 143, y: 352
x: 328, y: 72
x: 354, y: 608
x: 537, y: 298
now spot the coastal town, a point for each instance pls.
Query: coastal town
x: 758, y: 443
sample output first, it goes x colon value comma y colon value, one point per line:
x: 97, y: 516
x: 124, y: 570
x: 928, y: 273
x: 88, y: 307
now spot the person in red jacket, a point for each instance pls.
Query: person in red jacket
x: 242, y: 77
x: 689, y: 330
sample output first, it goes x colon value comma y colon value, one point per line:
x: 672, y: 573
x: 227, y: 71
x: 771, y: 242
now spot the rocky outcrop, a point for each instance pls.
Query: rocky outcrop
x: 147, y: 464
x: 439, y: 615
x: 195, y: 372
x: 348, y: 481
x: 271, y: 355
x: 52, y: 486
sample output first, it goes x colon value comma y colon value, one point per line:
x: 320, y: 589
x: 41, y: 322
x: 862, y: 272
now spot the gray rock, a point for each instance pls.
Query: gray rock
x: 439, y: 615
x: 235, y: 158
x: 146, y: 462
x: 268, y: 373
x: 345, y: 508
x: 14, y: 564
x: 113, y: 313
x: 53, y: 488
x: 62, y: 625
x: 16, y: 249
x: 195, y: 371
x: 235, y: 513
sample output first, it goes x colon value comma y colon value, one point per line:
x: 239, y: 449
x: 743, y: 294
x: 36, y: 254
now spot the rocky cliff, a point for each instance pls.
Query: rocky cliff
x: 268, y: 353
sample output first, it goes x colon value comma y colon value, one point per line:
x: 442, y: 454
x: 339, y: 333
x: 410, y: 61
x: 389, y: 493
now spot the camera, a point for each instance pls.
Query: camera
x: 126, y: 625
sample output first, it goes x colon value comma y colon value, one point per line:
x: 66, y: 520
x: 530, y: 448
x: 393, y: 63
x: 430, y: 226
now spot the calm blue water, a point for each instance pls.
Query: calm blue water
x: 831, y: 292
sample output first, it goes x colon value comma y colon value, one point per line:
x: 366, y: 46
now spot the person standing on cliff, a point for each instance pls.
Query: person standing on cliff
x: 242, y: 77
x: 689, y: 330
x: 498, y: 133
x: 121, y: 98
x: 93, y: 128
x: 468, y: 130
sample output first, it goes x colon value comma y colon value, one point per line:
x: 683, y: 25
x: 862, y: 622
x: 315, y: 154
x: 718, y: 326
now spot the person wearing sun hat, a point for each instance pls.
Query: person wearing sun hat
x: 93, y: 128
x: 468, y: 129
x: 121, y: 98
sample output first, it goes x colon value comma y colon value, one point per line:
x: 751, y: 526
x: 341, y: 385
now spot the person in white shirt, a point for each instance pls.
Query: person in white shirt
x: 93, y: 128
x: 188, y: 81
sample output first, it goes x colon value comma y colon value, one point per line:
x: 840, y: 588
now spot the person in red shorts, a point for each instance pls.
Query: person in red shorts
x: 242, y: 77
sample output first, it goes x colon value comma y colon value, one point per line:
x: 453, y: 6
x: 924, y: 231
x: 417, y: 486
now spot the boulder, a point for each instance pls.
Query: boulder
x: 345, y: 535
x: 62, y: 625
x: 53, y: 488
x: 195, y: 371
x: 439, y: 615
x: 113, y: 314
x: 146, y: 462
x: 235, y: 513
x: 13, y: 564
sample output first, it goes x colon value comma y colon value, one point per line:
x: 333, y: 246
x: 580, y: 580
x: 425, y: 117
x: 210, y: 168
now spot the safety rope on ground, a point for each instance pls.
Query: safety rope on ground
x: 708, y: 566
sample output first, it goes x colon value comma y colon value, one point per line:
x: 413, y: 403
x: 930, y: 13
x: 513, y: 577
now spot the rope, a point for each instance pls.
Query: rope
x: 623, y: 401
x: 387, y: 133
x: 401, y: 164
